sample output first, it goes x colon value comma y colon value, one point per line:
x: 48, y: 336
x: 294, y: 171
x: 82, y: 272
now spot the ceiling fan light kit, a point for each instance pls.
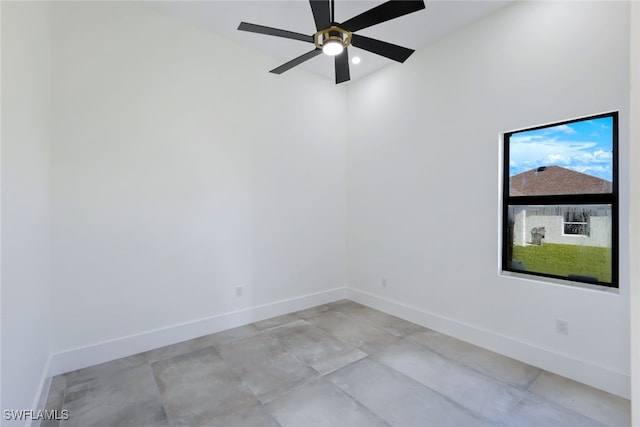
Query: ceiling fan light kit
x: 332, y: 47
x: 333, y: 39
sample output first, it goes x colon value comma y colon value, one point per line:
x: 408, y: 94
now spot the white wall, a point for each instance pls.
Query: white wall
x: 634, y: 219
x: 423, y: 180
x: 26, y: 123
x: 183, y: 170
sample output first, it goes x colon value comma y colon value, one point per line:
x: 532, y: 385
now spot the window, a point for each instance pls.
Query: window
x: 560, y: 200
x: 576, y: 222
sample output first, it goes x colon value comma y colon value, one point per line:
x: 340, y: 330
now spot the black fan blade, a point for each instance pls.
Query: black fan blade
x: 391, y: 51
x: 261, y: 29
x: 299, y: 60
x: 342, y: 67
x: 384, y: 12
x: 320, y: 10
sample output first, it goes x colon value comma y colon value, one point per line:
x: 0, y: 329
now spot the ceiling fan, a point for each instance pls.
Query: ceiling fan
x: 333, y: 38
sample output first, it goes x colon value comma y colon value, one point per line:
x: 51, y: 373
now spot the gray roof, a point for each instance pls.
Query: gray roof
x: 554, y: 180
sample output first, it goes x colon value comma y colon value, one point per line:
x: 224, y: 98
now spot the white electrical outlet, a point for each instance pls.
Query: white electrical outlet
x: 239, y: 291
x: 383, y: 282
x: 562, y: 327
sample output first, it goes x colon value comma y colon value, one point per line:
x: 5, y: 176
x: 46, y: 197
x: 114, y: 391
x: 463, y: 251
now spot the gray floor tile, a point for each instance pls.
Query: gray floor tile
x: 317, y: 348
x: 199, y: 389
x: 234, y: 334
x: 50, y: 423
x: 200, y: 343
x: 313, y: 311
x: 270, y: 374
x: 55, y: 399
x: 389, y: 323
x: 320, y: 403
x: 611, y: 410
x: 266, y: 366
x: 482, y: 395
x: 534, y: 412
x: 255, y: 417
x: 184, y: 347
x: 104, y: 370
x: 399, y: 400
x: 356, y: 333
x: 58, y: 383
x: 56, y: 392
x: 275, y: 321
x: 126, y: 398
x: 341, y: 304
x: 493, y: 364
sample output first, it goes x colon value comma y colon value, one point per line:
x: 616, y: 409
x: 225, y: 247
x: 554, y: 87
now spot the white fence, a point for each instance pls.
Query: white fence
x: 552, y: 218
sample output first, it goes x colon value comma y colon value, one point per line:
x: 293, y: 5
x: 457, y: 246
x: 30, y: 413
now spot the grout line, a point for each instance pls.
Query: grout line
x: 535, y: 380
x: 418, y: 383
x: 162, y: 402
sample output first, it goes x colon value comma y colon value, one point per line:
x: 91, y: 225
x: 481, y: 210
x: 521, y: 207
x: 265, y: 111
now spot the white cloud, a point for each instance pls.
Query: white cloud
x: 602, y: 171
x: 528, y: 152
x: 562, y: 128
x: 558, y: 159
x: 598, y: 156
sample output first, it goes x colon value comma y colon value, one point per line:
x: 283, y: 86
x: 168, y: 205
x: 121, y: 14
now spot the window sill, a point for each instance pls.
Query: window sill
x: 560, y: 282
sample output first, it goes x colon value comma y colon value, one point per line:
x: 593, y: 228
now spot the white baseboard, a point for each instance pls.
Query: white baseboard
x: 85, y: 356
x: 40, y: 400
x: 582, y: 371
x: 600, y: 377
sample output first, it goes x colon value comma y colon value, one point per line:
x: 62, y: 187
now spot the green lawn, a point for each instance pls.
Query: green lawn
x: 563, y: 260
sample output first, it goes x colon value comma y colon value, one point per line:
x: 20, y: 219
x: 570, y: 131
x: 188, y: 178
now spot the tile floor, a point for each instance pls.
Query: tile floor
x: 339, y: 364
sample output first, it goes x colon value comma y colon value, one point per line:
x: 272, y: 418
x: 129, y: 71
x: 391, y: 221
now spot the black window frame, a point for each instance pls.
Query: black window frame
x: 568, y: 199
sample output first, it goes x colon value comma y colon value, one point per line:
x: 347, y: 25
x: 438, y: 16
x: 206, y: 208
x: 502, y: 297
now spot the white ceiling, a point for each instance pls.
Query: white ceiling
x: 413, y: 31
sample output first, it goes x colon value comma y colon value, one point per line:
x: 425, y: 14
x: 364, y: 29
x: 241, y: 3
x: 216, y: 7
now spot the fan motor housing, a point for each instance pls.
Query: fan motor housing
x: 332, y: 33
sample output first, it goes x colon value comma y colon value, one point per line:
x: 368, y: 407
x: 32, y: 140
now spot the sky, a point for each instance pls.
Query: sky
x: 585, y: 146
